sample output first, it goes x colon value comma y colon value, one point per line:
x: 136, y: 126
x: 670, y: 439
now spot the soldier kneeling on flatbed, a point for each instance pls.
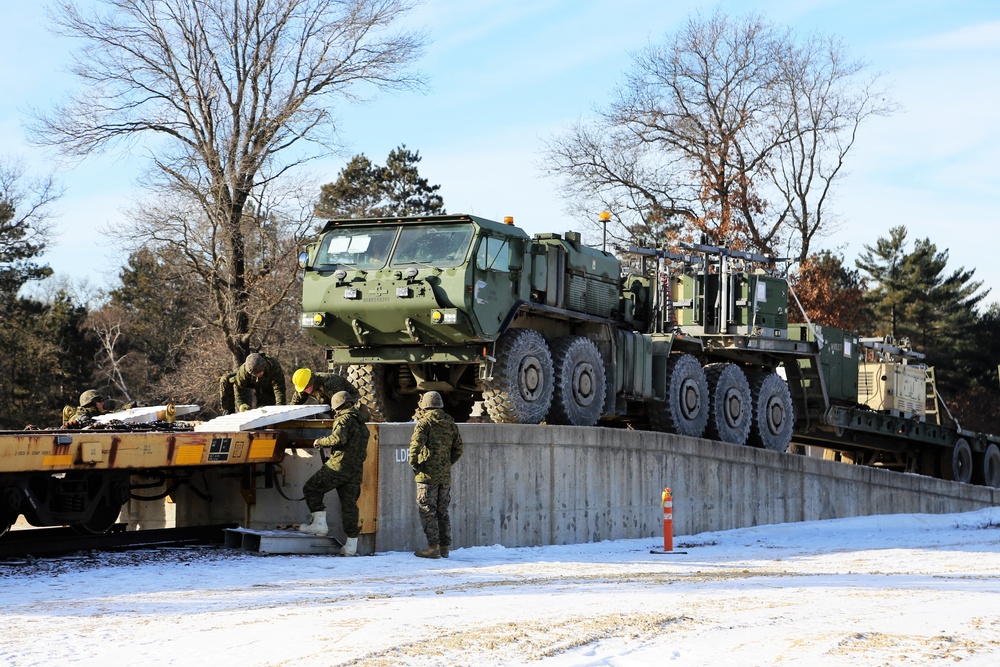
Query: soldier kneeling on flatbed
x: 91, y: 405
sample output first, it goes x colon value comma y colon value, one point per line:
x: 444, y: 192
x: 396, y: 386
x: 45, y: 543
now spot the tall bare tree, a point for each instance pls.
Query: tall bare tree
x: 226, y: 96
x: 731, y: 128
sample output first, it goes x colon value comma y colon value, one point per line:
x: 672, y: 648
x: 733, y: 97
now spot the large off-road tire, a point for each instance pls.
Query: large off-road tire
x: 381, y: 400
x: 685, y: 411
x: 956, y: 463
x: 728, y: 403
x: 987, y: 467
x: 520, y: 390
x: 772, y: 415
x: 579, y: 389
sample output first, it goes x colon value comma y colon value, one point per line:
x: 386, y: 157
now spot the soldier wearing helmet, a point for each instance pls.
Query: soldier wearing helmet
x: 259, y: 377
x: 435, y: 447
x: 342, y: 471
x: 91, y: 405
x: 320, y: 386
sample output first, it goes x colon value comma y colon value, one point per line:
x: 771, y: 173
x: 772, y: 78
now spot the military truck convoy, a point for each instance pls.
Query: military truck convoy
x: 546, y: 329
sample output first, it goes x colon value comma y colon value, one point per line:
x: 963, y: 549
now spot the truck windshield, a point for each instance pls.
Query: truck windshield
x: 355, y: 248
x: 435, y: 245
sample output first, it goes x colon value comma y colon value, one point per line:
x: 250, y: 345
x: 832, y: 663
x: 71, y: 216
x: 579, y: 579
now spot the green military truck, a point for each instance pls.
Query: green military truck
x: 546, y: 329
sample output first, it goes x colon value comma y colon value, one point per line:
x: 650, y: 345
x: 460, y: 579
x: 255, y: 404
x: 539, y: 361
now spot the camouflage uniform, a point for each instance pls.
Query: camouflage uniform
x: 435, y: 446
x: 84, y: 416
x: 325, y: 385
x: 238, y: 389
x: 343, y: 470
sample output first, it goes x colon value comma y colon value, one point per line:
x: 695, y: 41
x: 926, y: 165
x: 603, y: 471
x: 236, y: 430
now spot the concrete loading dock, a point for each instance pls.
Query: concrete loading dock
x: 537, y: 485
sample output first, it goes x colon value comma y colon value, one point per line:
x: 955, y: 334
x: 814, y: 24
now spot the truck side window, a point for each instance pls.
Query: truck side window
x: 493, y: 254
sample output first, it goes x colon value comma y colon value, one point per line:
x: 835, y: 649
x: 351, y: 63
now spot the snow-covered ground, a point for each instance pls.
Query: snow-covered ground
x: 884, y: 590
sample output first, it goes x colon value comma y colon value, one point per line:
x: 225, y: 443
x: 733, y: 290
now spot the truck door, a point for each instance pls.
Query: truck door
x: 493, y: 291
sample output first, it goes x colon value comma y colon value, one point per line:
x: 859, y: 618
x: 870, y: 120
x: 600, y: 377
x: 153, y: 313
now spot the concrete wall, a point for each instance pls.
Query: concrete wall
x: 537, y: 485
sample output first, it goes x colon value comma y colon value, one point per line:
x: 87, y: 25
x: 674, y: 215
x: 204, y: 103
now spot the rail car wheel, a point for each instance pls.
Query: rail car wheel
x: 101, y: 521
x: 772, y: 412
x: 729, y: 410
x: 987, y: 467
x: 956, y: 464
x: 685, y: 411
x: 578, y: 390
x: 6, y: 521
x: 520, y: 390
x: 377, y: 386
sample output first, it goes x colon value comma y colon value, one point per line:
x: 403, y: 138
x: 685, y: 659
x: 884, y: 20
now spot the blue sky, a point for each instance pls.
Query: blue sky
x: 504, y: 75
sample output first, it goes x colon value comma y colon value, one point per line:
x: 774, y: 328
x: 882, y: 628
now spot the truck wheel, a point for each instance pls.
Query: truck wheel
x: 987, y: 468
x: 578, y: 392
x: 520, y: 391
x: 956, y: 463
x: 729, y: 403
x: 685, y: 411
x: 772, y: 413
x: 376, y: 385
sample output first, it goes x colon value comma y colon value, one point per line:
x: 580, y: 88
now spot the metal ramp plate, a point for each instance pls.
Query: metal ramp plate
x: 145, y: 414
x: 260, y: 417
x: 279, y: 542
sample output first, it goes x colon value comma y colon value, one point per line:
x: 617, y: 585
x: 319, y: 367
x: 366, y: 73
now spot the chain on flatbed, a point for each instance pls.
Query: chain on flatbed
x: 117, y: 425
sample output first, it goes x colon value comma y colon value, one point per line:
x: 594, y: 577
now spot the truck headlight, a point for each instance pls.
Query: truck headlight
x: 403, y: 292
x: 351, y: 293
x: 312, y: 320
x: 444, y: 317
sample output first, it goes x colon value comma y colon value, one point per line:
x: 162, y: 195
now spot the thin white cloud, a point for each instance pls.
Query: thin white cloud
x: 968, y: 38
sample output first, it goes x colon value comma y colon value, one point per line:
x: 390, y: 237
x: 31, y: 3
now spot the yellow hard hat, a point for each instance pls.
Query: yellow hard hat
x: 300, y: 378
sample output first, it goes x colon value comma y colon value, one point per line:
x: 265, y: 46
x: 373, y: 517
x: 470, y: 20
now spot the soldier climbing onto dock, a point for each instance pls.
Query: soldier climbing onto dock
x: 343, y: 471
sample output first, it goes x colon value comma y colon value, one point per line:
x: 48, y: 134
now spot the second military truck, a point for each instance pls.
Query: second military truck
x: 546, y: 329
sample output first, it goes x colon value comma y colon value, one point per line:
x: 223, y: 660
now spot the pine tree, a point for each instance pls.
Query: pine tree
x: 367, y: 190
x: 913, y: 298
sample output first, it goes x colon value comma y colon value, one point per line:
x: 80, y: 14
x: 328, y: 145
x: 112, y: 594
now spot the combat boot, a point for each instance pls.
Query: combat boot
x: 316, y: 525
x: 350, y: 547
x: 443, y: 550
x: 430, y: 552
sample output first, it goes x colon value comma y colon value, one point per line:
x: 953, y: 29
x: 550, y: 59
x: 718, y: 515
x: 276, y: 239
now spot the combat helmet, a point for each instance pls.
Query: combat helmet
x: 90, y: 396
x: 255, y: 363
x: 301, y: 378
x: 431, y: 399
x: 341, y: 399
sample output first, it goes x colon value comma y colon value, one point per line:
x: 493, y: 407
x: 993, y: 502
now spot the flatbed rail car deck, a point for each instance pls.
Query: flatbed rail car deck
x: 82, y: 478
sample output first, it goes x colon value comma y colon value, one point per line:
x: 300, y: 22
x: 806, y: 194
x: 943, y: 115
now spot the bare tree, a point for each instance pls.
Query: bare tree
x: 731, y: 128
x: 106, y: 326
x: 226, y: 96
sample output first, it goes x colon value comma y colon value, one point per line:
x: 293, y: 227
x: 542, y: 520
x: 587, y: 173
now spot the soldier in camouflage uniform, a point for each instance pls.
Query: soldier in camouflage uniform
x: 434, y: 448
x: 91, y: 405
x: 260, y: 377
x: 321, y: 386
x: 342, y: 471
